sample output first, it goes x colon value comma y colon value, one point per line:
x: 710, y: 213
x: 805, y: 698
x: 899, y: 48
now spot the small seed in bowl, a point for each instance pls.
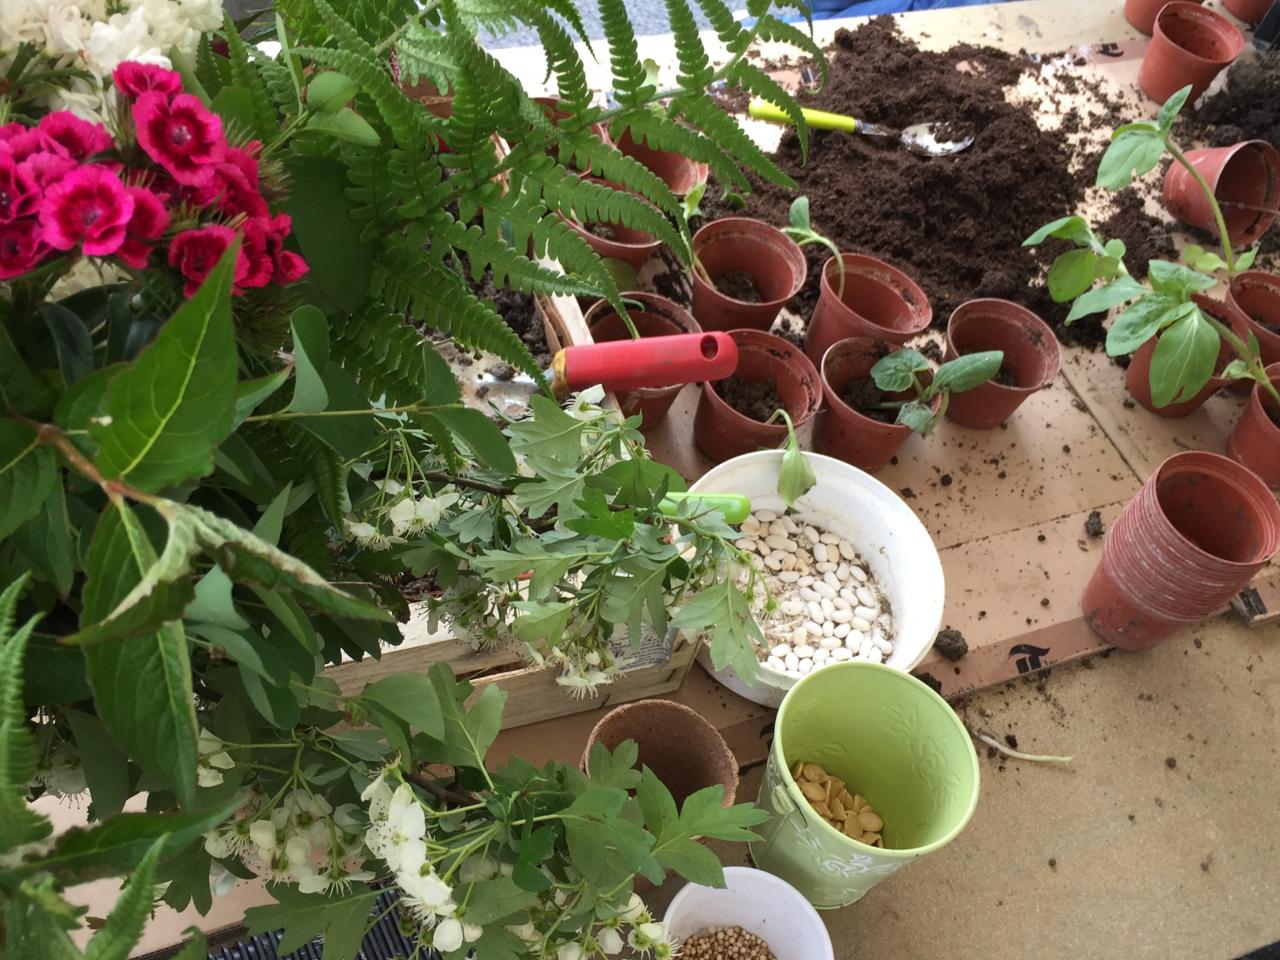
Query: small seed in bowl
x: 850, y: 813
x: 726, y: 943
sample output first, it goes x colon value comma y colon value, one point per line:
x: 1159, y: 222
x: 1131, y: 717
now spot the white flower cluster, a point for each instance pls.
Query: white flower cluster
x: 644, y: 935
x: 407, y: 515
x: 59, y: 771
x: 97, y: 36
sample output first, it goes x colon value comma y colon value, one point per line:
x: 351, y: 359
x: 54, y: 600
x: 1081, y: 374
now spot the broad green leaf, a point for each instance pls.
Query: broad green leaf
x: 536, y: 848
x: 70, y: 340
x: 171, y: 407
x: 799, y: 213
x: 918, y: 416
x: 249, y: 652
x: 1075, y: 229
x: 251, y: 393
x: 330, y: 90
x: 411, y: 697
x: 1176, y: 280
x: 235, y: 106
x: 20, y: 389
x: 968, y: 371
x: 1184, y: 358
x: 469, y: 732
x: 1245, y: 260
x: 604, y: 846
x: 1198, y: 258
x: 106, y: 767
x: 491, y: 901
x: 693, y: 861
x: 341, y: 919
x: 481, y: 435
x: 346, y: 125
x: 28, y: 470
x: 544, y: 620
x: 1237, y: 369
x: 442, y: 386
x: 310, y: 358
x: 1120, y: 290
x: 1115, y: 249
x: 142, y: 683
x: 896, y: 372
x: 1171, y: 108
x: 1138, y: 324
x: 213, y: 603
x: 704, y: 814
x: 636, y: 588
x: 657, y: 805
x: 352, y: 433
x: 84, y: 401
x: 1133, y: 152
x: 549, y: 432
x: 330, y: 239
x: 795, y: 475
x: 19, y: 823
x: 123, y: 929
x: 45, y: 540
x: 616, y: 768
x: 1072, y: 274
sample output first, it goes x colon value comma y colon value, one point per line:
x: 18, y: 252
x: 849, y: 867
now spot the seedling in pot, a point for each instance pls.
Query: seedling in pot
x: 795, y: 476
x: 901, y: 371
x: 801, y: 231
x: 1190, y: 341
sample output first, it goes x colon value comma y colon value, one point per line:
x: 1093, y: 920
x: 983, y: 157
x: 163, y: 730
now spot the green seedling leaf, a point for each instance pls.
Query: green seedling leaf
x: 969, y: 371
x: 1115, y: 249
x: 1198, y: 258
x: 1184, y: 359
x: 1237, y: 369
x: 795, y: 475
x: 1172, y: 107
x: 1118, y: 291
x: 1072, y: 274
x: 1133, y: 152
x: 691, y: 206
x: 1075, y: 229
x: 1245, y: 260
x: 330, y: 91
x: 1139, y: 323
x: 799, y: 214
x: 1176, y: 280
x: 918, y: 416
x: 897, y: 371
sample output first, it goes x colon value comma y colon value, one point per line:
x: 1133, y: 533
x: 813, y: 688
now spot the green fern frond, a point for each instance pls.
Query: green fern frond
x: 387, y: 352
x: 778, y: 31
x: 609, y: 163
x: 245, y: 77
x: 564, y: 62
x: 276, y: 77
x: 422, y: 56
x: 696, y: 72
x: 663, y: 133
x: 123, y: 929
x: 723, y: 129
x: 747, y: 76
x: 510, y: 269
x: 19, y: 823
x: 446, y: 448
x: 473, y: 157
x: 213, y: 71
x: 325, y: 468
x: 727, y: 29
x: 629, y: 84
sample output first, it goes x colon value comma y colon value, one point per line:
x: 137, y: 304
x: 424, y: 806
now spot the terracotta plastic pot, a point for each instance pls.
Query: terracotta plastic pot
x: 764, y: 252
x: 1031, y: 355
x: 1245, y: 179
x: 678, y: 744
x: 1142, y: 13
x: 633, y: 247
x: 1250, y: 11
x: 676, y: 170
x: 555, y: 113
x: 1191, y: 45
x: 659, y: 317
x: 1254, y: 302
x: 1255, y: 442
x: 839, y: 430
x: 1138, y: 376
x: 722, y: 432
x: 880, y: 302
x: 1189, y: 541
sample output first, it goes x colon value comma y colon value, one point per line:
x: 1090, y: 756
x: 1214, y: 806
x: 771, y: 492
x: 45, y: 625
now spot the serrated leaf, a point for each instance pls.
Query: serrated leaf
x: 693, y: 861
x: 123, y: 929
x: 19, y: 823
x: 723, y: 609
x: 28, y: 470
x: 469, y: 732
x: 657, y: 806
x: 1184, y: 358
x: 548, y: 432
x: 411, y: 697
x: 541, y: 620
x: 556, y: 486
x: 341, y: 920
x: 534, y: 849
x: 491, y: 901
x: 615, y: 768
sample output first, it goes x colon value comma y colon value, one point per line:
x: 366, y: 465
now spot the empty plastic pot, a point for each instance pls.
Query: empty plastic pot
x: 1255, y: 442
x: 1192, y: 538
x: 889, y: 738
x: 1191, y: 44
x: 1250, y: 11
x: 676, y: 170
x: 1254, y: 302
x: 775, y: 264
x: 879, y: 302
x: 1142, y: 13
x: 1032, y: 358
x: 1245, y: 179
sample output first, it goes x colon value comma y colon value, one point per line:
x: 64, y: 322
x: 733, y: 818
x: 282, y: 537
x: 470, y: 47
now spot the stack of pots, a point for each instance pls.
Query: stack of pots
x: 1190, y: 44
x: 774, y: 262
x: 1245, y: 179
x: 1192, y: 538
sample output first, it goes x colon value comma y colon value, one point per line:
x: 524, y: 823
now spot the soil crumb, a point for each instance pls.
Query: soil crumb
x: 757, y: 399
x: 602, y: 230
x: 862, y: 394
x: 739, y: 285
x: 1093, y: 525
x: 951, y: 644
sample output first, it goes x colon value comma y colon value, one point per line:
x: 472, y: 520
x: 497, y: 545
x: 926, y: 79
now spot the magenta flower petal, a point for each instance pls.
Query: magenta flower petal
x: 180, y: 135
x: 149, y: 221
x: 89, y: 207
x: 134, y: 79
x: 196, y: 252
x: 46, y: 169
x: 19, y: 191
x: 20, y: 248
x: 79, y: 138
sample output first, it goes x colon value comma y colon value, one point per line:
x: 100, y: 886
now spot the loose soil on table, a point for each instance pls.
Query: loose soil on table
x: 951, y: 644
x: 757, y: 399
x: 862, y: 394
x: 738, y: 285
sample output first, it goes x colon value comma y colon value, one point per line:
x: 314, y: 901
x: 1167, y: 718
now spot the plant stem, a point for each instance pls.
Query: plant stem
x: 1257, y: 370
x: 497, y: 489
x: 371, y: 411
x: 1227, y: 253
x: 1016, y: 755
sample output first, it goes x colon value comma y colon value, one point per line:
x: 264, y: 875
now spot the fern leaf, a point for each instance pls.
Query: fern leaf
x: 663, y: 133
x: 387, y: 352
x: 723, y: 129
x: 749, y: 77
x: 609, y: 163
x: 279, y: 84
x: 212, y: 71
x: 422, y: 55
x: 563, y: 61
x: 123, y: 929
x: 244, y: 76
x: 778, y: 31
x: 696, y: 72
x: 19, y: 823
x: 727, y: 29
x: 629, y: 84
x: 510, y: 269
x: 445, y: 445
x: 325, y: 468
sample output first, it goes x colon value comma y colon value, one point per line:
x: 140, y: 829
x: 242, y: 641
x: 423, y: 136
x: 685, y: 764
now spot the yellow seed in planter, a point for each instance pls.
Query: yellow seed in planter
x: 813, y: 792
x: 798, y: 770
x: 852, y: 828
x: 835, y: 787
x: 836, y: 808
x: 813, y: 772
x: 873, y: 839
x: 821, y: 809
x: 859, y: 802
x: 846, y: 799
x: 870, y: 821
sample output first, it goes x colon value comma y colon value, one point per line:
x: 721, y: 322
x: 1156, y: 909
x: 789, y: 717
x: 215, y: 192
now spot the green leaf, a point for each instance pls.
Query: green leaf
x: 468, y: 732
x: 1176, y: 280
x: 1184, y: 358
x: 1198, y: 258
x: 722, y: 608
x: 106, y: 767
x: 541, y: 620
x: 795, y: 475
x: 251, y: 393
x: 345, y: 125
x: 330, y: 91
x: 1075, y: 229
x: 1133, y: 153
x: 351, y: 435
x: 340, y: 920
x: 70, y: 340
x: 1245, y: 260
x: 1139, y: 323
x: 536, y: 848
x: 705, y: 815
x: 310, y: 357
x: 412, y: 698
x: 1237, y: 369
x: 1171, y: 108
x: 340, y: 264
x: 142, y: 684
x: 84, y: 400
x: 45, y: 540
x: 968, y: 371
x: 918, y: 416
x: 19, y: 823
x: 1120, y: 290
x: 28, y: 470
x: 490, y: 901
x: 481, y: 435
x: 693, y: 861
x: 235, y: 106
x: 1071, y: 274
x: 798, y: 216
x: 172, y: 406
x: 605, y: 847
x: 616, y: 768
x: 20, y: 389
x: 656, y: 804
x: 557, y: 486
x: 549, y: 432
x: 897, y: 371
x: 123, y: 929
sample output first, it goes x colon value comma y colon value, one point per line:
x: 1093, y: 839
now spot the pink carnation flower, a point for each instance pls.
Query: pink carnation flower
x: 79, y: 138
x: 134, y: 79
x: 22, y: 142
x: 149, y: 222
x: 257, y: 251
x: 180, y: 135
x: 20, y: 248
x: 196, y: 252
x: 46, y: 168
x: 19, y: 191
x: 89, y: 207
x: 235, y: 191
x: 290, y: 268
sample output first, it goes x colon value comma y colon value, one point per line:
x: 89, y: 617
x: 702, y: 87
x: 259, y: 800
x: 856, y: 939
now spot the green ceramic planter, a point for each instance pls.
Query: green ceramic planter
x: 891, y: 739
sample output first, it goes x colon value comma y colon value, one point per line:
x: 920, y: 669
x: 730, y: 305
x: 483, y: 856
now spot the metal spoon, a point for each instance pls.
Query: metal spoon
x: 925, y: 139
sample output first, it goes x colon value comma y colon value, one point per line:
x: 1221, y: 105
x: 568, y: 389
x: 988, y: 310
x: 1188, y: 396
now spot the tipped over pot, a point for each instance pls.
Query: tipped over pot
x: 876, y: 300
x: 1191, y: 44
x: 1245, y: 179
x: 1255, y: 442
x: 1253, y: 301
x: 734, y: 250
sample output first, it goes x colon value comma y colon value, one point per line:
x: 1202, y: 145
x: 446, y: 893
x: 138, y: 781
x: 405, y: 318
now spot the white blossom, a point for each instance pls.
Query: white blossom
x: 570, y: 951
x: 448, y: 936
x: 471, y: 932
x: 610, y: 941
x: 410, y: 517
x: 366, y: 535
x: 634, y: 910
x: 213, y: 760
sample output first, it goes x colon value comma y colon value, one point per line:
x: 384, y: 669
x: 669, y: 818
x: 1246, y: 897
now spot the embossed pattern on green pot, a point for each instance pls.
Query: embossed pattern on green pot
x: 891, y: 739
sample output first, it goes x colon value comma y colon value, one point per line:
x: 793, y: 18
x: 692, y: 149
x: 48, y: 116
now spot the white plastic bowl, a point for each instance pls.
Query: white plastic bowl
x: 862, y: 510
x: 759, y: 903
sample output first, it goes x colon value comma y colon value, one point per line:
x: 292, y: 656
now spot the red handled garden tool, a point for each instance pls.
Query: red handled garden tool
x: 926, y: 139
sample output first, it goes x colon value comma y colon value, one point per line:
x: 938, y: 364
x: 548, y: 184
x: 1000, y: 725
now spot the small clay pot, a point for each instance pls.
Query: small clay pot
x: 880, y: 302
x: 1191, y: 45
x: 1031, y: 354
x: 632, y: 247
x: 1250, y: 11
x: 684, y: 750
x: 555, y: 113
x: 1138, y: 376
x: 1245, y: 179
x: 676, y: 170
x: 1255, y: 442
x: 847, y: 434
x: 1254, y: 303
x: 721, y: 432
x: 769, y: 256
x: 658, y: 317
x: 1189, y: 541
x: 1142, y: 13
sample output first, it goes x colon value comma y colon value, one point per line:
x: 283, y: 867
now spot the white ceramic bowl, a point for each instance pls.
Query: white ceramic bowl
x: 759, y: 903
x: 849, y: 502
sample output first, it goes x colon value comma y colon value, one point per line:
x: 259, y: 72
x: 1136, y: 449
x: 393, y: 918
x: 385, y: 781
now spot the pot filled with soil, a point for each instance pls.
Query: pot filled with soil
x: 753, y: 911
x: 1255, y: 442
x: 1250, y: 11
x: 1254, y: 303
x: 1191, y: 44
x: 657, y: 317
x: 873, y: 300
x: 1245, y: 179
x: 1141, y: 14
x: 772, y: 374
x: 858, y: 424
x: 1032, y: 359
x: 1192, y: 538
x: 876, y: 751
x: 753, y: 268
x: 1138, y: 375
x: 676, y: 170
x: 615, y: 240
x: 862, y: 578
